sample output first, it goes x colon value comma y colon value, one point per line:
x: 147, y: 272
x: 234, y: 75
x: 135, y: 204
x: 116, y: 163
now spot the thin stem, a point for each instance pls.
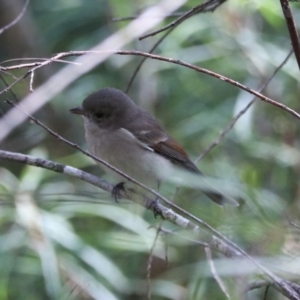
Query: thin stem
x: 17, y: 19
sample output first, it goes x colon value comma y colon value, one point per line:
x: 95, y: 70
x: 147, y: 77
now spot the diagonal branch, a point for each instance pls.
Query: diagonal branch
x: 213, y: 74
x: 165, y: 212
x: 17, y: 19
x: 243, y: 111
x: 215, y: 273
x: 287, y: 12
x: 143, y: 60
x: 220, y: 242
x: 210, y: 5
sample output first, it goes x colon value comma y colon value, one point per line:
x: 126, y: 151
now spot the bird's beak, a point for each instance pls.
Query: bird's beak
x: 77, y: 110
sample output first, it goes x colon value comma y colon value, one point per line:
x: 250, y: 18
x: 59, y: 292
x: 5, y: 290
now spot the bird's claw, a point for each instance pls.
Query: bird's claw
x: 153, y: 205
x: 116, y: 191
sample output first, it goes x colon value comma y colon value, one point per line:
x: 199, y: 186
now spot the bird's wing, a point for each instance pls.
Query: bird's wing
x: 174, y: 151
x: 148, y: 132
x: 153, y: 138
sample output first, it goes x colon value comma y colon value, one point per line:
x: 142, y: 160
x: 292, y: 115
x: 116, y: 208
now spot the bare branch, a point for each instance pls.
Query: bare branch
x: 16, y: 120
x: 178, y: 14
x: 213, y: 74
x: 143, y: 60
x: 11, y: 91
x: 149, y: 263
x: 166, y: 213
x: 31, y: 81
x: 256, y: 285
x: 287, y: 12
x: 31, y: 65
x: 262, y: 283
x: 294, y: 224
x: 215, y: 273
x: 203, y: 244
x: 210, y: 5
x: 17, y: 19
x: 266, y: 292
x: 236, y: 118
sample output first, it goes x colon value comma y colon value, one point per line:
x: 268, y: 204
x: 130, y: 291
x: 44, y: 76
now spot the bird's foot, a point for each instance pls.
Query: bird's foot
x: 153, y: 205
x: 116, y: 191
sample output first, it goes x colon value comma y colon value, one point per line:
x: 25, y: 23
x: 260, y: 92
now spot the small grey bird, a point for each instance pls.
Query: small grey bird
x: 130, y: 139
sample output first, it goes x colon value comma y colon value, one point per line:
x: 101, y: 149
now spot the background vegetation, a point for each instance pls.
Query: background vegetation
x: 62, y: 238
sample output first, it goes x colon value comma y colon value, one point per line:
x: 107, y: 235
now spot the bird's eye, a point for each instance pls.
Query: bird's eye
x: 99, y: 115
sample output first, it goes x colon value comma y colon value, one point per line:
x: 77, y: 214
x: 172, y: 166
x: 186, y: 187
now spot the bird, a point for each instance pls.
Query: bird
x: 132, y: 140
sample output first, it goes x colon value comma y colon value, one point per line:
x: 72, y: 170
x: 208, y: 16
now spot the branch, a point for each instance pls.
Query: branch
x: 215, y: 273
x: 143, y: 60
x: 129, y: 18
x: 17, y: 19
x: 266, y: 292
x: 158, y: 208
x: 210, y: 5
x: 213, y: 74
x: 243, y: 111
x: 262, y: 283
x: 43, y: 94
x: 31, y: 65
x: 287, y: 12
x: 165, y: 212
x: 149, y: 262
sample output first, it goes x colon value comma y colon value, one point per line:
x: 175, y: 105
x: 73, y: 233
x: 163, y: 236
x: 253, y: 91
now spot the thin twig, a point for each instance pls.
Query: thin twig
x: 175, y: 14
x: 143, y: 60
x: 294, y: 224
x: 17, y: 19
x: 31, y: 65
x: 266, y: 292
x: 31, y: 81
x: 213, y: 74
x: 287, y: 12
x: 236, y: 118
x: 7, y: 73
x: 11, y: 91
x: 209, y: 5
x: 215, y: 273
x: 178, y: 14
x: 149, y: 263
x: 203, y: 244
x: 36, y: 65
x: 170, y: 60
x: 255, y: 285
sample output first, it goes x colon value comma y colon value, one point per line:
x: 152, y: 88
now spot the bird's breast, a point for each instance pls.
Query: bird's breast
x: 124, y: 151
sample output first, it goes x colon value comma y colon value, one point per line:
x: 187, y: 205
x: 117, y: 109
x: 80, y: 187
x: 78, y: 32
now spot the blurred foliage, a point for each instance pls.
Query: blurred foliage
x: 64, y: 239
